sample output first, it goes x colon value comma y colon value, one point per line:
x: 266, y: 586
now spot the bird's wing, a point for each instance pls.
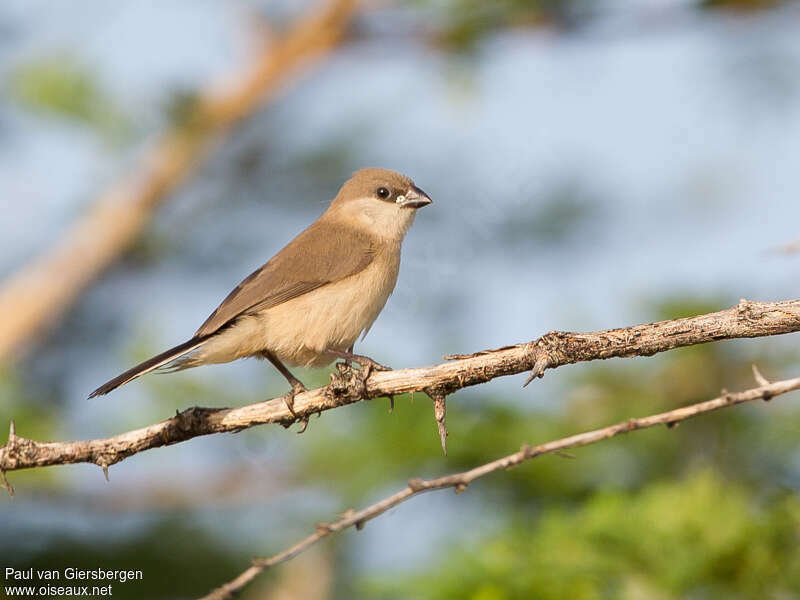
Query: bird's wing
x: 320, y: 255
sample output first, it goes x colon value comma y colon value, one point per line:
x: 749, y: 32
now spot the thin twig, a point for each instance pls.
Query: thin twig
x: 745, y: 320
x: 43, y: 290
x: 460, y: 481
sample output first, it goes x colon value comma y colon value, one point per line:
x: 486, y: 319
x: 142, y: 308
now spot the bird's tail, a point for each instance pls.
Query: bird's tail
x: 150, y: 364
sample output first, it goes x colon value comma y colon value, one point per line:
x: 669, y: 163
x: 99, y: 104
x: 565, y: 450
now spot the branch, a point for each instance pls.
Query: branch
x: 747, y: 319
x: 792, y: 247
x: 460, y: 481
x: 44, y: 290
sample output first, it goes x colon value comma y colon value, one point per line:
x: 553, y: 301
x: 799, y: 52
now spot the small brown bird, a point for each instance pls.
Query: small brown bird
x: 309, y: 303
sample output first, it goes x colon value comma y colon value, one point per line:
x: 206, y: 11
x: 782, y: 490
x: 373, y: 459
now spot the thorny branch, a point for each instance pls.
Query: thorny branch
x: 45, y: 289
x: 746, y: 319
x: 459, y: 481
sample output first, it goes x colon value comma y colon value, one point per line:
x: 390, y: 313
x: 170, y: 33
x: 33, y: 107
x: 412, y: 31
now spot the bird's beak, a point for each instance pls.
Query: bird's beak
x: 415, y: 198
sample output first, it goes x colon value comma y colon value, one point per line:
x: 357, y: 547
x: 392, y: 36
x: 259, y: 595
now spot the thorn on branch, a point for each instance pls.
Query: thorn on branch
x: 303, y: 425
x: 526, y: 450
x: 440, y: 412
x: 10, y: 449
x: 672, y: 424
x: 323, y: 528
x: 539, y: 367
x: 6, y: 483
x: 760, y: 379
x: 460, y: 487
x: 105, y: 471
x: 348, y: 514
x: 545, y: 350
x: 391, y: 402
x: 416, y: 484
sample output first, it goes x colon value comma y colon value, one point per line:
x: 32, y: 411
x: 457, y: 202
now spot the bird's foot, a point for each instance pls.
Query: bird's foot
x: 362, y: 361
x: 365, y: 363
x: 288, y: 397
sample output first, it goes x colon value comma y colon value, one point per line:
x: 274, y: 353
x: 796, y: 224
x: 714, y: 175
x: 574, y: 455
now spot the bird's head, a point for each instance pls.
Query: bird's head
x: 383, y: 201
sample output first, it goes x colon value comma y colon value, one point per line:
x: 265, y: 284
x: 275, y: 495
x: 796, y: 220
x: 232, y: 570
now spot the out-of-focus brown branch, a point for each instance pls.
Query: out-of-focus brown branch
x: 460, y: 481
x: 746, y: 319
x: 43, y: 290
x: 792, y: 247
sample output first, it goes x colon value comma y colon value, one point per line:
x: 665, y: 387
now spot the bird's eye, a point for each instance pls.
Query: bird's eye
x: 383, y: 193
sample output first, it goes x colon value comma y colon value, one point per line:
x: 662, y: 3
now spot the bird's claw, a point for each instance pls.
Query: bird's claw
x: 288, y: 397
x: 369, y: 365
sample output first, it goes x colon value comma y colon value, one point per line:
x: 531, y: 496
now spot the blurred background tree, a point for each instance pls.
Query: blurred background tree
x: 593, y: 165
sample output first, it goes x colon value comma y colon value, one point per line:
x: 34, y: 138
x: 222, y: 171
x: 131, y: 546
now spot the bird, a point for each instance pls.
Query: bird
x: 308, y: 304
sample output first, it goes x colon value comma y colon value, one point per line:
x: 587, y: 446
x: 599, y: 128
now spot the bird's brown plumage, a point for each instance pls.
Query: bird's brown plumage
x: 339, y: 252
x: 318, y: 293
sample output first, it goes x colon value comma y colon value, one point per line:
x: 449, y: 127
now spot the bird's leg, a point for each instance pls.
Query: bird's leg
x: 297, y: 385
x: 350, y: 350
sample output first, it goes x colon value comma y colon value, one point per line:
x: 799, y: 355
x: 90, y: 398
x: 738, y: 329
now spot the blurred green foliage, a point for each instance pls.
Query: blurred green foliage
x: 61, y: 86
x: 28, y: 407
x: 700, y: 537
x: 742, y: 5
x: 31, y: 415
x: 462, y: 24
x: 700, y: 510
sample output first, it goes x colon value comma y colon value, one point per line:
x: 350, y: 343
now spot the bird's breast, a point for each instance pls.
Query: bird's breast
x: 332, y: 316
